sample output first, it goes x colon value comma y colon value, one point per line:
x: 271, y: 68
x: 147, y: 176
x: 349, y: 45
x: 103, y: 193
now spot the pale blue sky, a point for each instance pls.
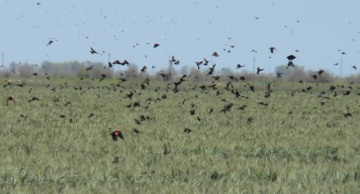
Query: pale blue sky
x: 189, y: 30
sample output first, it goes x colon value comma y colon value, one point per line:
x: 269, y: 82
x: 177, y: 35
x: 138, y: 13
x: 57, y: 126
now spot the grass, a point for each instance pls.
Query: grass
x: 293, y: 145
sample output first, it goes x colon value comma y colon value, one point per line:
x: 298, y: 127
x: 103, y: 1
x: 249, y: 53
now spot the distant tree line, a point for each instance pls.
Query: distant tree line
x: 89, y: 69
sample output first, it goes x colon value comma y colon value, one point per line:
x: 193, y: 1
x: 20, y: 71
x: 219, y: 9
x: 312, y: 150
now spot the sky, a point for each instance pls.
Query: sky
x: 316, y: 32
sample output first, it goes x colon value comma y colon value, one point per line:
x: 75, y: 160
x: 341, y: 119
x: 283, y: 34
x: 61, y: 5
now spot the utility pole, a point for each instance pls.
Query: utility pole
x: 2, y: 59
x: 341, y: 67
x: 254, y: 65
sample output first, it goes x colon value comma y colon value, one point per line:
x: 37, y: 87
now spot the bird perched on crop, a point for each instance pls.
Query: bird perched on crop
x: 116, y: 134
x: 10, y: 99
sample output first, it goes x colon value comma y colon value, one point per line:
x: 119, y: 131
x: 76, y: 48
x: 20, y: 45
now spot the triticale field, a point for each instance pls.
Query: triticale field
x: 236, y: 138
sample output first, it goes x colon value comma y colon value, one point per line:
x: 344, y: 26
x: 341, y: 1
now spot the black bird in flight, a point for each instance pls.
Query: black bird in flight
x: 291, y: 57
x: 143, y: 69
x: 211, y: 70
x: 227, y: 107
x: 321, y: 71
x: 156, y: 45
x: 206, y: 62
x: 102, y: 77
x: 92, y: 51
x: 50, y: 42
x: 89, y: 68
x: 259, y: 70
x: 272, y: 49
x: 290, y: 64
x: 239, y: 66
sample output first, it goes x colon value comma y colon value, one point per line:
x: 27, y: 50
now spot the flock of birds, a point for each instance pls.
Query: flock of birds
x: 204, y: 63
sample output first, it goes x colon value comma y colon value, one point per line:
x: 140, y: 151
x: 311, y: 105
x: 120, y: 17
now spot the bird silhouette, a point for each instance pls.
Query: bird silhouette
x: 103, y: 76
x: 156, y: 45
x: 116, y: 160
x: 272, y: 49
x: 92, y: 51
x: 291, y: 57
x: 290, y: 64
x: 211, y: 70
x: 116, y: 134
x: 50, y: 42
x: 238, y: 66
x: 227, y: 107
x: 10, y: 99
x: 166, y: 150
x: 187, y: 130
x: 89, y: 68
x: 33, y: 99
x: 206, y: 62
x: 259, y: 70
x: 321, y: 71
x: 143, y: 69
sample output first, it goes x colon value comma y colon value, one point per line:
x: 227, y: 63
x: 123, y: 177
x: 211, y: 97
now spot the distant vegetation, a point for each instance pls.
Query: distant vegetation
x: 76, y: 69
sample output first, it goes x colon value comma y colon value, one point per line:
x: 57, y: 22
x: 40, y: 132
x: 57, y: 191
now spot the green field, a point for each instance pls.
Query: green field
x: 291, y: 142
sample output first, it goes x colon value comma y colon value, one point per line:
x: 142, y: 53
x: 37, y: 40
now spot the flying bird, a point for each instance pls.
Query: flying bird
x: 321, y: 71
x: 89, y: 68
x: 259, y: 70
x: 272, y: 49
x: 290, y: 64
x: 102, y: 77
x: 92, y: 51
x: 50, y: 42
x: 239, y: 66
x: 156, y: 45
x: 116, y: 134
x: 143, y: 69
x: 291, y: 57
x: 215, y: 54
